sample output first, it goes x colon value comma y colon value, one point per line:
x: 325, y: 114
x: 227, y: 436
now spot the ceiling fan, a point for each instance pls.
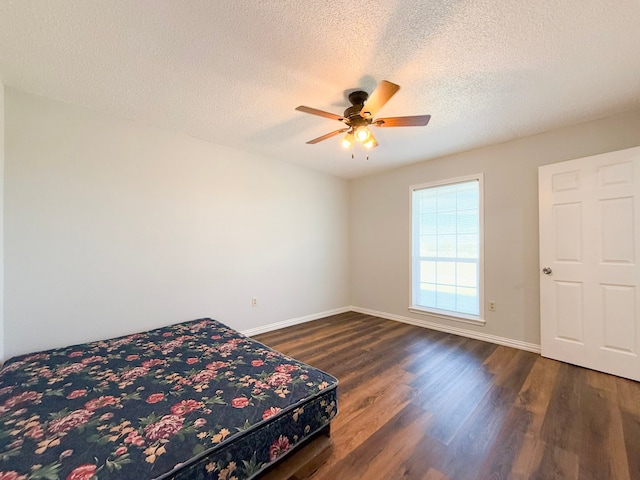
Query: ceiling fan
x: 360, y: 115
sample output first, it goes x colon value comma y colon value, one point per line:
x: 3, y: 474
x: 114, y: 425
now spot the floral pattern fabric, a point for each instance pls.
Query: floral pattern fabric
x: 196, y: 401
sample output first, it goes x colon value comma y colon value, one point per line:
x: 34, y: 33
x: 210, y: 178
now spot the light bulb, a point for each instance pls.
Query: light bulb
x: 370, y: 143
x: 362, y: 134
x: 347, y: 141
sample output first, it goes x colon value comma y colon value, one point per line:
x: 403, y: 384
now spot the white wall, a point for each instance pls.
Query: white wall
x: 380, y: 224
x: 113, y: 227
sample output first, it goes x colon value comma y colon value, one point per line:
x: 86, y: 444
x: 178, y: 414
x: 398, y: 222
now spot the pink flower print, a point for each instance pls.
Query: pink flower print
x: 83, y: 472
x: 164, y: 428
x: 155, y: 397
x: 278, y: 447
x: 239, y: 402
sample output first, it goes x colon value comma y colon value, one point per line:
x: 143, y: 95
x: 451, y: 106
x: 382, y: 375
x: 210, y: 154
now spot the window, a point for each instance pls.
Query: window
x: 447, y: 248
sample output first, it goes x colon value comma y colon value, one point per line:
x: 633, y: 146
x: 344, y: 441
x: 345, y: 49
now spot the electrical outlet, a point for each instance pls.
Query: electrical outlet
x: 254, y: 302
x: 492, y: 306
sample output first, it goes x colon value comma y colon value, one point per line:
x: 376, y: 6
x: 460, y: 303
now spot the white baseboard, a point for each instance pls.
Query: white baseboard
x: 508, y: 342
x: 485, y: 337
x: 294, y: 321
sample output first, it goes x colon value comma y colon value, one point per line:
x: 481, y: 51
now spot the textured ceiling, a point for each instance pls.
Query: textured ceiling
x: 233, y: 71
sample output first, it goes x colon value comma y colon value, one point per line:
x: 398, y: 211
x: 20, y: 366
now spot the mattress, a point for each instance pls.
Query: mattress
x: 195, y: 400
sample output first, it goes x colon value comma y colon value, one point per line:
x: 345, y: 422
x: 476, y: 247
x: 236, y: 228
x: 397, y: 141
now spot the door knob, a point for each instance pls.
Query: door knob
x: 546, y: 270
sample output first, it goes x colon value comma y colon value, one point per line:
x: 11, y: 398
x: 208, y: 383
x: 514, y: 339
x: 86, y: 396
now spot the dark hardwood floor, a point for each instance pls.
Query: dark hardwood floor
x: 420, y: 404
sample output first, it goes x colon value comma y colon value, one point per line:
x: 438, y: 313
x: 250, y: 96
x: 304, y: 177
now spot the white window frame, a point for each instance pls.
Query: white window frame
x: 414, y: 275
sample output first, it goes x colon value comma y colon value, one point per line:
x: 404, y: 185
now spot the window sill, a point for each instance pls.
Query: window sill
x: 448, y: 316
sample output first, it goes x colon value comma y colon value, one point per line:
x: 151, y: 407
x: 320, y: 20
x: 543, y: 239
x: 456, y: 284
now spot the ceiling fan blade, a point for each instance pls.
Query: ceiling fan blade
x: 328, y: 135
x: 320, y: 113
x: 381, y: 95
x: 413, y: 121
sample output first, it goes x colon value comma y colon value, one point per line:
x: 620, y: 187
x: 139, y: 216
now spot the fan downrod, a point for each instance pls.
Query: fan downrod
x: 352, y: 114
x: 358, y: 97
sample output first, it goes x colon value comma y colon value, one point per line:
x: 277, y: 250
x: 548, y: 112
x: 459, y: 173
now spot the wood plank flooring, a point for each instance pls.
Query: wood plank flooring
x: 425, y: 405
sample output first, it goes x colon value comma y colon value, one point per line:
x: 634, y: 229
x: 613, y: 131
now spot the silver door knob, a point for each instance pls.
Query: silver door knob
x: 546, y: 270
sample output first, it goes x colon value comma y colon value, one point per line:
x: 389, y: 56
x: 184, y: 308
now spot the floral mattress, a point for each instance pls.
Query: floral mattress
x: 196, y: 400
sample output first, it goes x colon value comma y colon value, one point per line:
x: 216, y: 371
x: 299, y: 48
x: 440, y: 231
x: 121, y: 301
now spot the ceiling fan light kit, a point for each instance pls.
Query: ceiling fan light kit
x: 362, y: 133
x: 360, y: 115
x: 371, y: 143
x: 347, y: 141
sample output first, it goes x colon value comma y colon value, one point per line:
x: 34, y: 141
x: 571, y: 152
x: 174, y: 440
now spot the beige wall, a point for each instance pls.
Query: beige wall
x: 380, y: 224
x: 1, y: 220
x: 114, y: 227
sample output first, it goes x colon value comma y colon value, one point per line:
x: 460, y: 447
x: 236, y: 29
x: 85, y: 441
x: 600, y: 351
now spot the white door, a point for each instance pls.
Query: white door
x: 589, y: 254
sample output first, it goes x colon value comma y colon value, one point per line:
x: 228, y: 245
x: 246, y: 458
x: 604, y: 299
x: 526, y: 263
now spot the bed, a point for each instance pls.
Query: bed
x: 195, y: 400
